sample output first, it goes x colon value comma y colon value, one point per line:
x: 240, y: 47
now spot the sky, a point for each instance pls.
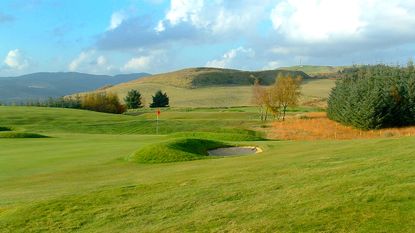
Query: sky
x: 155, y: 36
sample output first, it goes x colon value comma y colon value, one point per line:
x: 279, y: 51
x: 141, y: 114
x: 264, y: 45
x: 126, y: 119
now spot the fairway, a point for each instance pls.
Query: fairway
x: 79, y: 179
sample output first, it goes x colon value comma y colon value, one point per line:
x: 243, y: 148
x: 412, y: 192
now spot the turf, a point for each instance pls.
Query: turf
x: 177, y: 150
x: 81, y: 182
x: 3, y: 128
x: 21, y: 135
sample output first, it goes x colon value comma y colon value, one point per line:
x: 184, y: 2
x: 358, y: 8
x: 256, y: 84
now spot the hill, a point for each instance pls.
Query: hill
x: 213, y: 87
x: 315, y: 70
x: 43, y: 85
x: 207, y: 77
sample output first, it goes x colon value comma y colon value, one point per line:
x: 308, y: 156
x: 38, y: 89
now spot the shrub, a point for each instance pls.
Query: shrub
x: 102, y: 102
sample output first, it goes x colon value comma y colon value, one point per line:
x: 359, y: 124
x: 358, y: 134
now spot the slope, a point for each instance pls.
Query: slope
x: 213, y: 87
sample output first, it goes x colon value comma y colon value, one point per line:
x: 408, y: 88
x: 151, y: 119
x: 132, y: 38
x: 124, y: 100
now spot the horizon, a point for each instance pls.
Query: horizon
x: 122, y: 37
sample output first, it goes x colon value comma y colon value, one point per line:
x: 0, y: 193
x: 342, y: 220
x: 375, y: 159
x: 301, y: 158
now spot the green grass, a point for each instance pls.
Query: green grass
x: 81, y: 182
x: 183, y: 149
x: 3, y: 128
x: 220, y: 136
x: 21, y: 135
x: 45, y: 120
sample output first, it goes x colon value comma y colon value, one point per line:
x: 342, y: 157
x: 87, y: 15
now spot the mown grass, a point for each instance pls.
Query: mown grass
x: 220, y: 136
x: 21, y: 135
x: 44, y: 120
x: 346, y: 186
x: 80, y: 182
x: 177, y: 150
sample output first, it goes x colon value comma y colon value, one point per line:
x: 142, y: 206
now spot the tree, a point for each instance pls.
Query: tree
x: 260, y: 99
x: 284, y: 93
x: 160, y: 99
x: 133, y: 99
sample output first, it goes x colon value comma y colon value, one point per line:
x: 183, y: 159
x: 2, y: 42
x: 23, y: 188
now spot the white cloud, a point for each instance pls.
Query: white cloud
x: 271, y: 65
x: 316, y: 20
x: 184, y: 11
x: 116, y: 19
x: 145, y: 63
x: 91, y: 62
x: 215, y: 16
x: 138, y: 63
x: 232, y: 58
x: 16, y: 60
x: 333, y: 20
x: 160, y: 27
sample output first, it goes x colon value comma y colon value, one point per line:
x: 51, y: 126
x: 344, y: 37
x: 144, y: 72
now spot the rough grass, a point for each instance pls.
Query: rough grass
x: 183, y: 149
x: 316, y: 126
x: 222, y: 96
x: 21, y: 135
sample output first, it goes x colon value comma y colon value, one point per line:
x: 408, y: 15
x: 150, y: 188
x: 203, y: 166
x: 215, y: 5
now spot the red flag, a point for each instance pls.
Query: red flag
x: 158, y: 112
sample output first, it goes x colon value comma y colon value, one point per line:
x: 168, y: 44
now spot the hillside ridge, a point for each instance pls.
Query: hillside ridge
x: 209, y: 77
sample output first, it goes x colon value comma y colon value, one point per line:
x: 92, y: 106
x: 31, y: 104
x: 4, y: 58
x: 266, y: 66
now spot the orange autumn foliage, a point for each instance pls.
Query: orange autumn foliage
x: 316, y: 126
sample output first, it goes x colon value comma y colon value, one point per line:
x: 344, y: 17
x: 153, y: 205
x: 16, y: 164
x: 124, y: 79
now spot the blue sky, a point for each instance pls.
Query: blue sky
x: 115, y: 36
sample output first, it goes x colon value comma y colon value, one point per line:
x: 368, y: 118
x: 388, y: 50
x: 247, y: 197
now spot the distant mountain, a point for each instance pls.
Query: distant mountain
x: 43, y: 85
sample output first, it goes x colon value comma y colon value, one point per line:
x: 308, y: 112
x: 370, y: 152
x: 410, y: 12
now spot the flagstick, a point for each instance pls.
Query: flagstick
x: 157, y: 127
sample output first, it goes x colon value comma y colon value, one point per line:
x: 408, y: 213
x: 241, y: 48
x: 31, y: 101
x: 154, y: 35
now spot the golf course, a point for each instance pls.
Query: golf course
x: 85, y: 176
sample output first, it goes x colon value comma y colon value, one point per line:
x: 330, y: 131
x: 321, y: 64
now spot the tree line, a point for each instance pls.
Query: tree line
x: 374, y: 96
x: 100, y: 102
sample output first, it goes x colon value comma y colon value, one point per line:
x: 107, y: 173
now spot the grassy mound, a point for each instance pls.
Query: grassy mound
x: 218, y: 136
x: 183, y: 149
x: 2, y: 128
x: 21, y: 135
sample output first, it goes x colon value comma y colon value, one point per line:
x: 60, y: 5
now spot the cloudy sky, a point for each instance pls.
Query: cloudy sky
x: 124, y: 36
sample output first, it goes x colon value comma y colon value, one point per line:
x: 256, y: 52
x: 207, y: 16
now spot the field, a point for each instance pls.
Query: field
x: 79, y: 180
x: 223, y: 96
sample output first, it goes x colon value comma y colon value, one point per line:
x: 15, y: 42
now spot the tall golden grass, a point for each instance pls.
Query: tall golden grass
x: 316, y: 126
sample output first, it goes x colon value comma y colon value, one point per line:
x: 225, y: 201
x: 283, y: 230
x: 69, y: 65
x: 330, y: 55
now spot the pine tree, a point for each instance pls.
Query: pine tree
x: 160, y: 99
x: 133, y: 99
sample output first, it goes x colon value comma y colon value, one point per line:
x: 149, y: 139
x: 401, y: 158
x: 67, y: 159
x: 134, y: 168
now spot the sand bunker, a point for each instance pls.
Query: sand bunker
x: 237, y: 150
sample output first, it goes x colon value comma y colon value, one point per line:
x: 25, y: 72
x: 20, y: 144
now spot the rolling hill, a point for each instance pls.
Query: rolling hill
x: 315, y: 70
x: 213, y: 87
x: 43, y: 85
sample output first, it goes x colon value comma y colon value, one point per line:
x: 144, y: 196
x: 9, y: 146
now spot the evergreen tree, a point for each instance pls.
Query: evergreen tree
x: 133, y: 99
x: 160, y: 99
x: 371, y: 97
